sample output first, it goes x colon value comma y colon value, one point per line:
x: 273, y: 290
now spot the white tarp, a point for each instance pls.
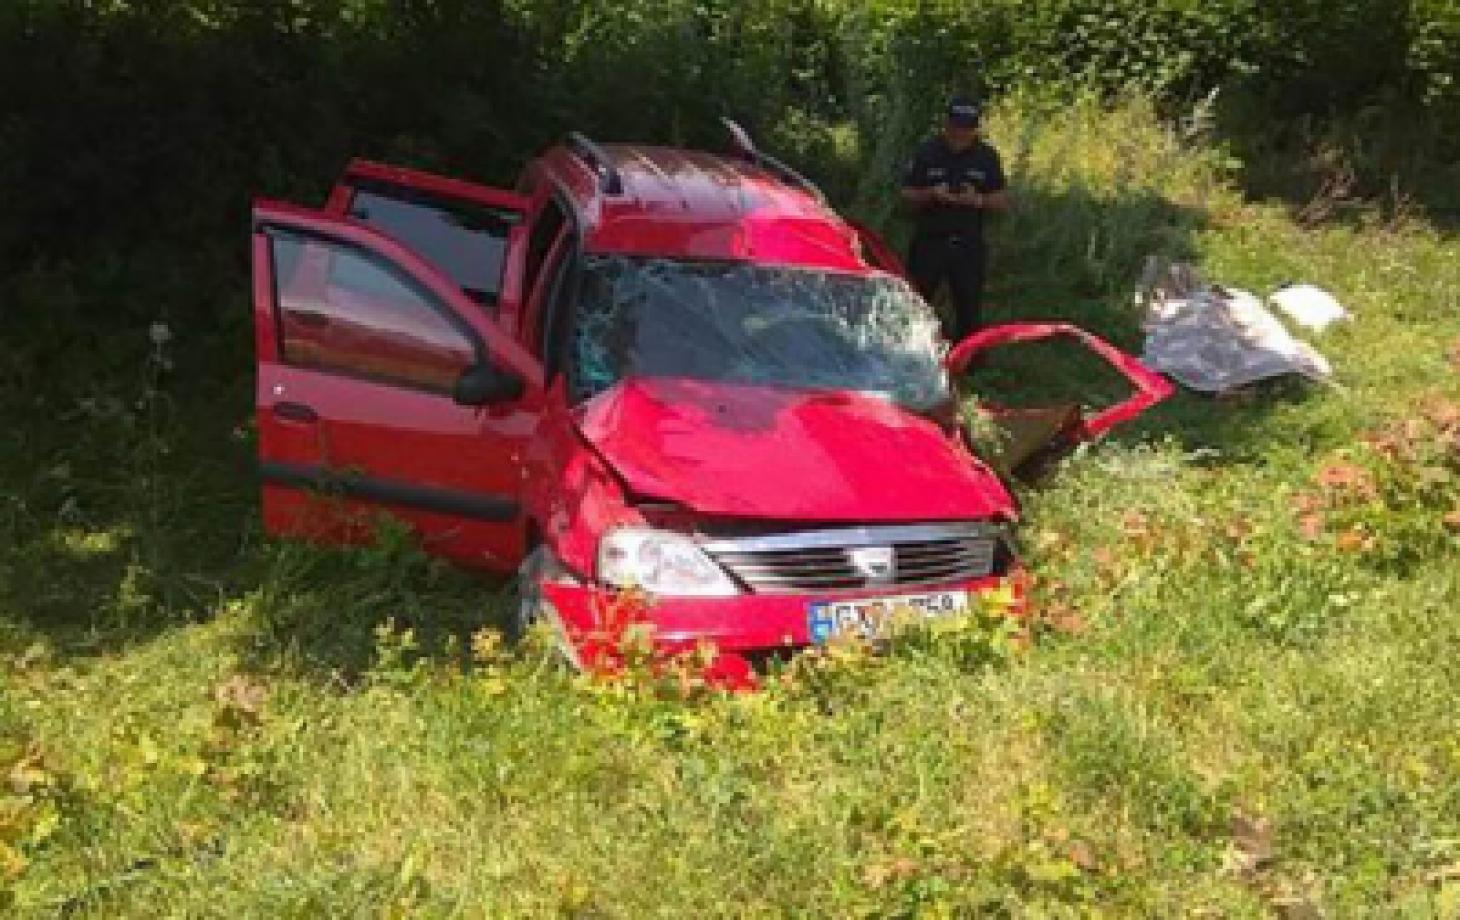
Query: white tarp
x: 1308, y: 306
x: 1214, y: 339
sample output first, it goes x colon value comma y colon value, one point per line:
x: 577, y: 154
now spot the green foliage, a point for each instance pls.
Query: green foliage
x: 1237, y: 698
x: 1261, y: 594
x: 147, y: 127
x: 1174, y: 48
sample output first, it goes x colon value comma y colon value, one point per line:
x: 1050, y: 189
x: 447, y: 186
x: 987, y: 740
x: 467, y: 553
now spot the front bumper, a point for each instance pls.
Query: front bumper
x: 744, y: 623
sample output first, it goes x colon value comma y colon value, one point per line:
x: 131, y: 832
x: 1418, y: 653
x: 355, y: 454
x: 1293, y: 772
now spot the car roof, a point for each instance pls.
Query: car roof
x: 690, y: 204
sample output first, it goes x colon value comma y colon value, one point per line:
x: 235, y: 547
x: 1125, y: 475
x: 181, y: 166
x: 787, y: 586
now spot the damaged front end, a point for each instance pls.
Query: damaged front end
x: 764, y: 457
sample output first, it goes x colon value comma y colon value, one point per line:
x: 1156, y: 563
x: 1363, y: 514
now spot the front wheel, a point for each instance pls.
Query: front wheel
x: 527, y: 609
x: 532, y: 607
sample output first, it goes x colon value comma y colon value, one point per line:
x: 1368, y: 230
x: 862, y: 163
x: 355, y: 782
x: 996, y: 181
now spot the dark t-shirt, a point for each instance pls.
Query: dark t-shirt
x: 935, y: 164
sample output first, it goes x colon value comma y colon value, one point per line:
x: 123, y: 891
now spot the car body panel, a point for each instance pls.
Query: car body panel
x: 485, y: 484
x: 572, y: 496
x: 877, y: 252
x: 360, y: 172
x: 687, y: 204
x: 1150, y: 387
x: 335, y: 449
x: 749, y: 622
x: 775, y: 454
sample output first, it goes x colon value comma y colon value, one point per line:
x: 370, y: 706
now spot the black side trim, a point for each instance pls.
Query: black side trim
x: 493, y: 508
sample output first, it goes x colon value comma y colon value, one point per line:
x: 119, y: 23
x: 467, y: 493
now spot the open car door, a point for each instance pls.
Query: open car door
x: 463, y: 229
x: 1032, y: 438
x: 384, y: 382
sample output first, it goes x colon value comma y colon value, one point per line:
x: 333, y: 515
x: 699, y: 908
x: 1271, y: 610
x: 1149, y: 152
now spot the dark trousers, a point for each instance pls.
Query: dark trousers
x: 959, y: 261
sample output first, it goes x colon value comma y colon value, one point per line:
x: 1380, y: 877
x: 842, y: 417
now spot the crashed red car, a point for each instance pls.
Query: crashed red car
x: 641, y: 367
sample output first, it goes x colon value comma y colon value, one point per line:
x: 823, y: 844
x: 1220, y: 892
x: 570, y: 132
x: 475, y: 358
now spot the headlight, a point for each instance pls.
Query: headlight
x: 661, y: 563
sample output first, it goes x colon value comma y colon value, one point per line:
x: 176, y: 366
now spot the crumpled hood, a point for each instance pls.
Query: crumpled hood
x: 746, y: 451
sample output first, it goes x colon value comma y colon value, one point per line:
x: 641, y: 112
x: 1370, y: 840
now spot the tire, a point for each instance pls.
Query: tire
x: 530, y: 606
x: 527, y: 597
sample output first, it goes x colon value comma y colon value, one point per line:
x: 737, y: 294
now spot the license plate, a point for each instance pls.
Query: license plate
x: 869, y: 617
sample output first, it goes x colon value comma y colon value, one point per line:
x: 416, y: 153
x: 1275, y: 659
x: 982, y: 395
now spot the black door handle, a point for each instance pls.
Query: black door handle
x: 295, y: 412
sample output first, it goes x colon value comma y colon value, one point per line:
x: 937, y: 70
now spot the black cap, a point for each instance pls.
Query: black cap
x: 964, y: 112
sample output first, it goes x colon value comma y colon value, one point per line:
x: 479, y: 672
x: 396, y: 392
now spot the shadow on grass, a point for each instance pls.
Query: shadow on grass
x: 331, y: 613
x: 97, y: 588
x: 98, y: 554
x: 1381, y: 164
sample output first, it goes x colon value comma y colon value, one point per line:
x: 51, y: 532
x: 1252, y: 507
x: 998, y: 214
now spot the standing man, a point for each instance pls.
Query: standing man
x: 952, y: 180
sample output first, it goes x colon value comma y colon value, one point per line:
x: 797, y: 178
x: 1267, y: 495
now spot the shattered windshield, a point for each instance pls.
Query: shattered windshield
x: 756, y: 324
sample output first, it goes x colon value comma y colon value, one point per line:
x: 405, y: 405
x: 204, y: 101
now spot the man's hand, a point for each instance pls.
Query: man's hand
x: 983, y: 201
x: 942, y: 195
x: 919, y: 198
x: 968, y: 198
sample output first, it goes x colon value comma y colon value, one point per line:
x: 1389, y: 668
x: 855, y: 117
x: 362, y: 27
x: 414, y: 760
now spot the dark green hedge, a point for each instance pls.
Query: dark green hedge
x: 150, y: 122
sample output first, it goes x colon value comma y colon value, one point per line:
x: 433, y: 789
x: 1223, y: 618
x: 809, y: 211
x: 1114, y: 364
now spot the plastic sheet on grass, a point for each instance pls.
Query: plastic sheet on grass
x: 1215, y: 339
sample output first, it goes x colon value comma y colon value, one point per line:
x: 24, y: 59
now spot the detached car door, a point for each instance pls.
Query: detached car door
x: 1033, y: 437
x: 384, y: 388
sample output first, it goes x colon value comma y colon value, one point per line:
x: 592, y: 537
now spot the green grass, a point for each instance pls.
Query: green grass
x: 197, y: 722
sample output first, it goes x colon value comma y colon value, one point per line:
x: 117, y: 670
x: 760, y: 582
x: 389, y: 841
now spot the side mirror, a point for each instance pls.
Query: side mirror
x: 483, y: 384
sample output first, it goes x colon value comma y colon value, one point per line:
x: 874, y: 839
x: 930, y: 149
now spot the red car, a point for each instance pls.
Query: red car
x: 642, y: 367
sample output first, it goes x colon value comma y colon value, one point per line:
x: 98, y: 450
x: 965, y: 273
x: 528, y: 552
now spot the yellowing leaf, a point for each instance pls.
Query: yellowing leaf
x: 1353, y: 540
x: 12, y: 863
x: 1347, y: 478
x: 241, y: 695
x: 29, y: 773
x: 44, y: 823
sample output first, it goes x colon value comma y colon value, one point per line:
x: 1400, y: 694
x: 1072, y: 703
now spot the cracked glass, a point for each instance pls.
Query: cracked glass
x: 758, y: 325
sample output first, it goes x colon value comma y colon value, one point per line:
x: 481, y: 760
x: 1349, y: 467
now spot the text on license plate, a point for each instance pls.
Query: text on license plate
x: 867, y: 616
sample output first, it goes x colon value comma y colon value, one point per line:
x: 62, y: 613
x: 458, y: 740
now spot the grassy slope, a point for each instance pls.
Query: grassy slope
x: 1223, y: 662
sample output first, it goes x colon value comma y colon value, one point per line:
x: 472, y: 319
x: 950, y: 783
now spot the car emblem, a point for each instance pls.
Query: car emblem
x: 874, y: 563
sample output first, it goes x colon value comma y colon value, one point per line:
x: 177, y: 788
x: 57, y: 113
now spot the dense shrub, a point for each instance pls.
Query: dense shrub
x: 128, y: 127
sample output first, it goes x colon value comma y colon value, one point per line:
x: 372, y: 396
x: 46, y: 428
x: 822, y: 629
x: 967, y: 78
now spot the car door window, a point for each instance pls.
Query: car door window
x: 342, y: 309
x: 466, y: 240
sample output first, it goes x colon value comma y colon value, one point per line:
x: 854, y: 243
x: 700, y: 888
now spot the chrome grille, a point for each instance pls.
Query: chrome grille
x: 848, y: 558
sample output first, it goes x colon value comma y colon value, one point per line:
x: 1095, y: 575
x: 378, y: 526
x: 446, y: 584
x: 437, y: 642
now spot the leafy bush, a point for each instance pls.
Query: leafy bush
x: 149, y: 125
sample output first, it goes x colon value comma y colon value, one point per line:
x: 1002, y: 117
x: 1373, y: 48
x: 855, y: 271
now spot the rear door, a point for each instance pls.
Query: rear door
x: 360, y: 342
x: 464, y: 230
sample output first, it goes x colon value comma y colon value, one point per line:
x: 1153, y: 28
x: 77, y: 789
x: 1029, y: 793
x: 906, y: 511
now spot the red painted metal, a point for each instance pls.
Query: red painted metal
x: 690, y: 205
x: 663, y: 452
x: 572, y: 496
x: 1150, y: 387
x: 757, y: 452
x: 442, y: 186
x: 390, y: 434
x: 746, y: 623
